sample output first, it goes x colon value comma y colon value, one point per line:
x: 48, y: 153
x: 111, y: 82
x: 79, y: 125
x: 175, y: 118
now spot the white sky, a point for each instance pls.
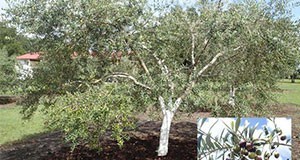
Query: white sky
x: 2, y: 4
x: 296, y: 10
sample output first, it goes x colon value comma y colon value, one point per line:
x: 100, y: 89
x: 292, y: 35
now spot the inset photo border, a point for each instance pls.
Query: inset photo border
x: 244, y: 138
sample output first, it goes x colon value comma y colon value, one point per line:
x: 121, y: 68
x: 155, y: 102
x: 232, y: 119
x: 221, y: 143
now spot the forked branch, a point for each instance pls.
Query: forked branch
x: 192, y: 83
x: 125, y: 75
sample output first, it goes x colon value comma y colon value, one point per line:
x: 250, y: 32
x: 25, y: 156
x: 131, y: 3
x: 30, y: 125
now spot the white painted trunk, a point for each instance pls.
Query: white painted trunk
x: 232, y: 96
x: 168, y: 113
x: 164, y: 133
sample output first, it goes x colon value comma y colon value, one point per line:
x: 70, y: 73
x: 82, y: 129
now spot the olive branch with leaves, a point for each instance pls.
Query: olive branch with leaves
x: 236, y: 143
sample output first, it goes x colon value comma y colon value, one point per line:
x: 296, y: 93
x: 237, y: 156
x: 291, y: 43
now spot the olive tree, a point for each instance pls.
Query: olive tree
x: 170, y: 53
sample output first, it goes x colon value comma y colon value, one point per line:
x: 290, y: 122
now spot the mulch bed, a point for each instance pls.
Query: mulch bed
x: 141, y: 146
x: 6, y: 99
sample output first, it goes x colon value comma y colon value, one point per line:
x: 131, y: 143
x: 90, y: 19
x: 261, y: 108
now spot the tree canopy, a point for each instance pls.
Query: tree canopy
x: 222, y: 57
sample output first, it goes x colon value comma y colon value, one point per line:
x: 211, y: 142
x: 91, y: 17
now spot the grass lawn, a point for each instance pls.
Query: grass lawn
x: 12, y: 127
x: 291, y: 92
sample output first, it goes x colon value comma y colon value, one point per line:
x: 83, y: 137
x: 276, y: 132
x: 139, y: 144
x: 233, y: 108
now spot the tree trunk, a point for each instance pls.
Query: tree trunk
x: 293, y: 77
x: 168, y: 113
x: 231, y: 100
x: 164, y: 133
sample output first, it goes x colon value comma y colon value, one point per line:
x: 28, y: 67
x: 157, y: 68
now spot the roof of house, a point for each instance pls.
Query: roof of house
x: 29, y: 56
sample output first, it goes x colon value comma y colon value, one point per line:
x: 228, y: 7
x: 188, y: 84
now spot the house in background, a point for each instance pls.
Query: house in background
x: 26, y: 62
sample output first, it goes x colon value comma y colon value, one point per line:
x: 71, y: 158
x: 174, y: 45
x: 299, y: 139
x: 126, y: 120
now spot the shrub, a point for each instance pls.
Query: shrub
x: 88, y: 116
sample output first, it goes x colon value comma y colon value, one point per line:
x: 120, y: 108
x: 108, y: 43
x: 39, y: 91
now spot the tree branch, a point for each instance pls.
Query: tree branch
x: 166, y: 72
x: 144, y: 66
x: 192, y: 83
x: 229, y: 58
x: 193, y: 48
x: 162, y: 104
x: 125, y: 75
x: 206, y: 42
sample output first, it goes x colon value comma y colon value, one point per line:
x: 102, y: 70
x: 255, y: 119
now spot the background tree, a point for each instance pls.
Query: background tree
x: 12, y: 44
x: 7, y: 73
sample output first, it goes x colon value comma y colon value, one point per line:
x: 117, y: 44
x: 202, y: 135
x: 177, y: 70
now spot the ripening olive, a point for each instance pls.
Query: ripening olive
x: 249, y: 146
x: 283, y: 137
x: 276, y: 155
x: 244, y: 152
x: 253, y: 149
x: 258, y: 158
x: 242, y: 144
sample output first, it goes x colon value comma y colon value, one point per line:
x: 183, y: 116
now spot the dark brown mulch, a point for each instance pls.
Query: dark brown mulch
x: 142, y: 145
x: 6, y: 99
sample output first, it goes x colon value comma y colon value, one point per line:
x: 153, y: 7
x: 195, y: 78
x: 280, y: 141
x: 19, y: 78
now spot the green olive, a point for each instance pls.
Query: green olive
x: 237, y: 149
x: 258, y: 152
x: 252, y: 155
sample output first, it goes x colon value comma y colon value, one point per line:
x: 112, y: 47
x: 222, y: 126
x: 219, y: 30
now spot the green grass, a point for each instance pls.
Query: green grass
x: 291, y: 92
x: 12, y: 127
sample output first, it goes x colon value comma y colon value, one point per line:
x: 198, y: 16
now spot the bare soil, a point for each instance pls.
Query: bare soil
x: 141, y: 146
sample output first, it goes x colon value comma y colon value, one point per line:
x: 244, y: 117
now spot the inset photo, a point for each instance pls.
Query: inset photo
x: 244, y: 138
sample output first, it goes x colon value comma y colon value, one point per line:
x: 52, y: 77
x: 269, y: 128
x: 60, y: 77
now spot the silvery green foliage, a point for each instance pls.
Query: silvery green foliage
x: 193, y: 55
x: 86, y: 117
x: 261, y: 33
x: 70, y: 84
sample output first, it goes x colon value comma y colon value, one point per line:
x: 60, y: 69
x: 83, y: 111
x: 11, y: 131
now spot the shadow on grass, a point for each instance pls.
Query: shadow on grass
x: 25, y: 139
